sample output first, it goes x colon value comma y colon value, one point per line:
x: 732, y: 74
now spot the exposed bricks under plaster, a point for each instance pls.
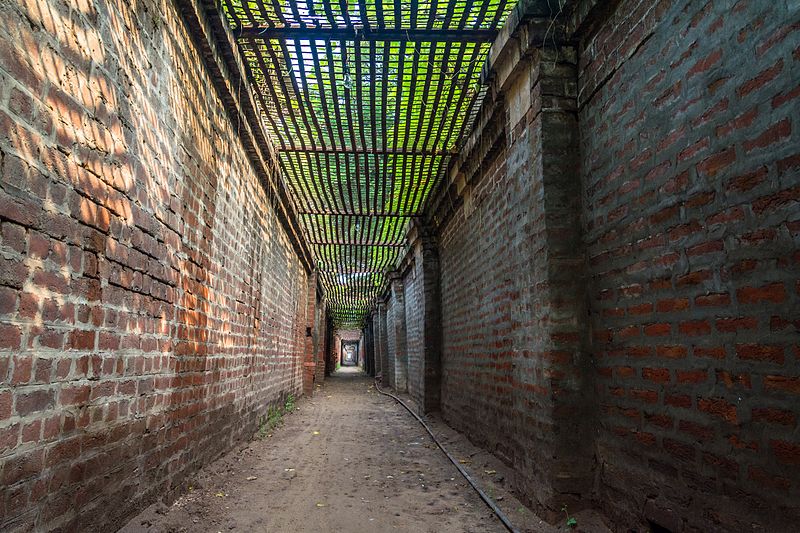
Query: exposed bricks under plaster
x: 151, y: 306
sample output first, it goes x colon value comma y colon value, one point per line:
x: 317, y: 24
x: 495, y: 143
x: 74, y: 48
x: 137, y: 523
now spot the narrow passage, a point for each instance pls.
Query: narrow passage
x: 371, y: 467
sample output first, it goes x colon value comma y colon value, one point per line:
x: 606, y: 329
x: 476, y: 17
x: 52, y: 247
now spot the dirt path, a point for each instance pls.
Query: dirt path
x: 370, y: 468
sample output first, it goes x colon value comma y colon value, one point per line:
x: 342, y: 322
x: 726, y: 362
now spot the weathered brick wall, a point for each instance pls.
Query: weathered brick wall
x: 691, y: 189
x: 320, y: 341
x: 396, y: 336
x: 151, y: 306
x: 479, y: 253
x: 310, y: 335
x: 375, y: 324
x: 511, y: 320
x: 382, y: 341
x: 423, y: 321
x: 414, y: 306
x: 391, y: 344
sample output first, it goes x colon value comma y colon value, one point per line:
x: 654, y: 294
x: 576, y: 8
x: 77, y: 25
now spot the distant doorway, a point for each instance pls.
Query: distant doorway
x: 349, y: 354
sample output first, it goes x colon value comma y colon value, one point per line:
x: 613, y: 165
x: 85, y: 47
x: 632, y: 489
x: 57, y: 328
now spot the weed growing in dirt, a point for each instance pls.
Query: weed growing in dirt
x: 288, y: 407
x: 262, y: 428
x: 571, y: 520
x: 274, y: 417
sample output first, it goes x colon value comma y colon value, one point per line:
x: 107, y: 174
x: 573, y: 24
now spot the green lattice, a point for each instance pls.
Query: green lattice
x: 365, y: 102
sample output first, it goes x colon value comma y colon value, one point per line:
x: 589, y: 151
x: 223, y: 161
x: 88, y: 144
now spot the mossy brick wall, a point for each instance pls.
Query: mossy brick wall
x: 691, y: 154
x: 151, y: 306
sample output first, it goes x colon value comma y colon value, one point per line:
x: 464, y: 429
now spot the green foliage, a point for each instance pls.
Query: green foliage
x: 572, y: 522
x: 274, y: 417
x: 263, y: 429
x: 388, y: 113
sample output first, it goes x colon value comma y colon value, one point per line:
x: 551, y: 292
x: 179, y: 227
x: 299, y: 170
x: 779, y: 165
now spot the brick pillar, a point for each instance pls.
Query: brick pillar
x: 320, y: 341
x: 328, y: 344
x: 376, y: 340
x: 427, y: 258
x: 382, y: 341
x: 396, y: 326
x: 560, y: 313
x: 336, y: 353
x: 369, y: 346
x: 309, y: 359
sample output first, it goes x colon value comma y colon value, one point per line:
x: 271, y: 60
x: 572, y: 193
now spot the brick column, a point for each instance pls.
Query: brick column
x: 309, y: 358
x: 427, y: 265
x: 320, y: 341
x: 396, y: 326
x: 336, y: 353
x: 369, y: 345
x: 381, y: 339
x: 376, y: 340
x: 559, y: 306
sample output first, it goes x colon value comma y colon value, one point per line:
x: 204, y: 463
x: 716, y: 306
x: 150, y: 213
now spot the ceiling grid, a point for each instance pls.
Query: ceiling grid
x: 366, y: 103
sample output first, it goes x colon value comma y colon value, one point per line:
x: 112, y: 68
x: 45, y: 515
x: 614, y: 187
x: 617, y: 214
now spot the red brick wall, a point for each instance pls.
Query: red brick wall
x: 690, y: 150
x: 151, y: 306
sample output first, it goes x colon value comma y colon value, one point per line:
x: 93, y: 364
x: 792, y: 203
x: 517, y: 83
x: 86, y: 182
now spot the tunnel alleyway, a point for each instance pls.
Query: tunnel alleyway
x: 348, y: 460
x: 568, y: 229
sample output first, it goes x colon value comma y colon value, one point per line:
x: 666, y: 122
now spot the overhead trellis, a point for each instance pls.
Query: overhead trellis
x: 365, y: 101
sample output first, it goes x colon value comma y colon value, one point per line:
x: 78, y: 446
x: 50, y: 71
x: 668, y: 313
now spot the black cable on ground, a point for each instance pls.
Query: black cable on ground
x: 490, y: 502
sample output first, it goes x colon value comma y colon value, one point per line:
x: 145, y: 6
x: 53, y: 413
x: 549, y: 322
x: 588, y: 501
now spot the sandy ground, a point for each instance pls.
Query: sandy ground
x: 346, y: 460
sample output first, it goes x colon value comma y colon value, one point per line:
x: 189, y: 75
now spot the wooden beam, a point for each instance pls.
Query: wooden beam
x: 368, y: 34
